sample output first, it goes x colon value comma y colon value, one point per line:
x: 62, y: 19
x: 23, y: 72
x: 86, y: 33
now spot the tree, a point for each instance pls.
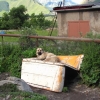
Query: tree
x: 33, y: 20
x: 41, y: 20
x: 4, y: 21
x: 18, y: 16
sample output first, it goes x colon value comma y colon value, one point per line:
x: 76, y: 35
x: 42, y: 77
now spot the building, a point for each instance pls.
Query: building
x: 78, y: 20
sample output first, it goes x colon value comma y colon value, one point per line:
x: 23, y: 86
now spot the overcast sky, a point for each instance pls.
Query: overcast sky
x: 50, y: 4
x: 54, y: 3
x: 71, y: 1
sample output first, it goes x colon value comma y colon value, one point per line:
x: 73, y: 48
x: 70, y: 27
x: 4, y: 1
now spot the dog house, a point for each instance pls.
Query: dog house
x: 78, y: 20
x: 48, y: 75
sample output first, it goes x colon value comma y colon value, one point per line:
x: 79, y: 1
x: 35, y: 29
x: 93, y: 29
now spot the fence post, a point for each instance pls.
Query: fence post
x: 2, y: 41
x: 37, y: 42
x: 1, y: 46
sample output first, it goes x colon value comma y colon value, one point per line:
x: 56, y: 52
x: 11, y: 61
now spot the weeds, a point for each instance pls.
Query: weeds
x: 65, y: 89
x: 8, y: 88
x: 90, y: 68
x: 12, y: 91
x: 11, y: 57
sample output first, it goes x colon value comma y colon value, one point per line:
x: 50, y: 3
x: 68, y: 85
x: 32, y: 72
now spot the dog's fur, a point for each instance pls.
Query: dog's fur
x: 46, y: 56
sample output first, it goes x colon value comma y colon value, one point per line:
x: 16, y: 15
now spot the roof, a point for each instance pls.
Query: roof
x: 76, y: 7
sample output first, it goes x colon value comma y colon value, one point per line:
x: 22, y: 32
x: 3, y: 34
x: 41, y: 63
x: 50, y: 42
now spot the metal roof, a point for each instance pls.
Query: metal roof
x: 76, y: 7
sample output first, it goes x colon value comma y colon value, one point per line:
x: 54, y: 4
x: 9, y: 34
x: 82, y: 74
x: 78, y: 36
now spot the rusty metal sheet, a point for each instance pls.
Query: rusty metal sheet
x: 73, y: 61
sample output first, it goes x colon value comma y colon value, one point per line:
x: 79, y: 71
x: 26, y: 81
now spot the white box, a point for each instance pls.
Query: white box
x: 45, y: 75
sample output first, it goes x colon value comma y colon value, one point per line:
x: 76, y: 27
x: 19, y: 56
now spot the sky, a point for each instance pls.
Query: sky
x: 78, y: 1
x: 74, y: 1
x: 54, y: 3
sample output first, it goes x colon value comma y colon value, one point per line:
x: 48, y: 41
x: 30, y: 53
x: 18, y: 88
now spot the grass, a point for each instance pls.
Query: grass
x: 46, y: 32
x: 38, y: 31
x: 22, y: 96
x: 8, y: 88
x: 10, y: 91
x: 10, y: 39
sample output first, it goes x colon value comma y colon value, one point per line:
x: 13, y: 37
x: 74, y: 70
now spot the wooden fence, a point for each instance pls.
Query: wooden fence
x: 53, y: 38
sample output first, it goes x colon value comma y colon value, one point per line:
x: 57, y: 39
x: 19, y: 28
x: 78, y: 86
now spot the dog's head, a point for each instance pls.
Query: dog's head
x: 39, y: 51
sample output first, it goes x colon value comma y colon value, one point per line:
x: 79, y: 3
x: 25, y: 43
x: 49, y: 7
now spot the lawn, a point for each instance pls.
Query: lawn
x: 39, y: 32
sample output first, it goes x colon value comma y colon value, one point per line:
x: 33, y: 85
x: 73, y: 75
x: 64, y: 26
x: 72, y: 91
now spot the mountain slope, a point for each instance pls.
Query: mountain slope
x: 31, y: 5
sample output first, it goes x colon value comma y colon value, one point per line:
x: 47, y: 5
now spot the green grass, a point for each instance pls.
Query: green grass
x: 40, y: 32
x: 12, y: 31
x: 9, y: 39
x: 15, y: 94
x: 15, y: 39
x: 46, y: 33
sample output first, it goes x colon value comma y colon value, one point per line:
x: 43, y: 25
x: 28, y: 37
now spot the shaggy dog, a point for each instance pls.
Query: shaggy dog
x: 46, y: 56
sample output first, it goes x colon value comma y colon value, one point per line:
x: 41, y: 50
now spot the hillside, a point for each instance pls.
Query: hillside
x: 31, y: 5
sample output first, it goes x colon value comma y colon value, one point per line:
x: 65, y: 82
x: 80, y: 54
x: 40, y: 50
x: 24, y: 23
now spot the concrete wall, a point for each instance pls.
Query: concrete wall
x: 91, y: 15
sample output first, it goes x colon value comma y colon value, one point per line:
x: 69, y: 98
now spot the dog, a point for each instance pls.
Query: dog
x: 46, y: 56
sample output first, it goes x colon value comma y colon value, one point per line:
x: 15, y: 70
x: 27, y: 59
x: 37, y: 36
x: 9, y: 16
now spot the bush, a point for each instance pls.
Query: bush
x: 29, y: 53
x: 11, y: 57
x: 90, y: 68
x: 24, y: 41
x: 11, y: 61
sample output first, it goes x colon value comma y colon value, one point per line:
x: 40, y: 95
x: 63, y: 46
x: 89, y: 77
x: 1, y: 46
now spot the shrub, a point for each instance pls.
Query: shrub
x: 29, y: 53
x: 90, y: 68
x: 24, y: 41
x: 11, y: 57
x: 11, y: 61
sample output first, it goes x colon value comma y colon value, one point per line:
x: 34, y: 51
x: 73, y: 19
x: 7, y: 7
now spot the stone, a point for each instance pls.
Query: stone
x: 21, y: 84
x: 7, y: 97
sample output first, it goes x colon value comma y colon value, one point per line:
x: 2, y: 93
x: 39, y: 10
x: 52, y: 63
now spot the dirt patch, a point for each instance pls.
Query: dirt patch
x: 76, y: 91
x: 3, y: 76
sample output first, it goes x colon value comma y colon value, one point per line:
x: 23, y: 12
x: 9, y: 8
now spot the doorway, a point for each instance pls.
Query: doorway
x: 78, y: 28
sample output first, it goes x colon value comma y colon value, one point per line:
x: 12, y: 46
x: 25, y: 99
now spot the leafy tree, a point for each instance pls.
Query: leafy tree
x: 4, y: 21
x: 48, y: 23
x: 5, y: 16
x: 40, y: 20
x: 33, y: 20
x: 26, y: 23
x: 17, y: 17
